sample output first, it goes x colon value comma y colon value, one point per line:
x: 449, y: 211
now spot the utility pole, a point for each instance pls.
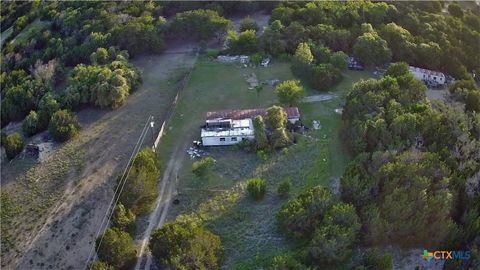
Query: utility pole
x: 152, y: 124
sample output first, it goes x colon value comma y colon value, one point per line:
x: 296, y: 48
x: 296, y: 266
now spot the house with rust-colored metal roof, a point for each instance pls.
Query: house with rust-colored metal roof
x: 293, y: 115
x: 230, y: 127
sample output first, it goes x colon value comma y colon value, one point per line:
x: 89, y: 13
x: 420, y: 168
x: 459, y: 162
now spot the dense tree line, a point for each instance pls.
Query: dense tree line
x: 87, y: 45
x: 417, y: 33
x: 415, y: 162
x: 116, y: 247
x: 328, y: 228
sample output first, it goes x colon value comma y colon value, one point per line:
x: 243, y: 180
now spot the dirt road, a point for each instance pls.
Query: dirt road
x: 157, y: 217
x: 107, y: 138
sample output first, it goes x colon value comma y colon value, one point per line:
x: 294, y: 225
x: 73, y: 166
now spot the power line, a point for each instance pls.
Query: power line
x: 119, y: 190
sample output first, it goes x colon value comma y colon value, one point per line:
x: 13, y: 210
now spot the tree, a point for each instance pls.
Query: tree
x: 44, y: 72
x: 334, y: 238
x: 261, y: 141
x: 416, y: 182
x: 13, y: 144
x: 47, y: 106
x: 279, y: 138
x: 185, y: 246
x: 339, y: 60
x: 256, y: 188
x: 289, y: 92
x: 276, y: 121
x: 284, y: 187
x: 30, y: 123
x: 245, y: 43
x: 374, y: 260
x: 140, y: 190
x: 138, y: 35
x: 323, y: 76
x: 371, y: 49
x: 303, y: 54
x: 331, y: 244
x: 472, y: 101
x: 201, y: 24
x: 99, y: 265
x: 201, y: 167
x: 123, y: 219
x: 63, y: 125
x: 248, y: 24
x: 455, y: 10
x: 271, y: 41
x: 400, y: 41
x: 276, y: 118
x: 462, y: 86
x: 428, y: 55
x: 397, y: 70
x: 116, y: 249
x: 300, y: 216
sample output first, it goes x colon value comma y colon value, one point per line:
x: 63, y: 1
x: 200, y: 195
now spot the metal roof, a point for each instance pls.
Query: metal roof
x: 242, y: 127
x: 292, y: 113
x: 426, y: 71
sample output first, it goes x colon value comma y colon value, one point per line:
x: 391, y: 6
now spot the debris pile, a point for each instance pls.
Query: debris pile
x: 316, y: 124
x: 252, y: 81
x: 233, y: 58
x: 273, y: 82
x: 194, y: 152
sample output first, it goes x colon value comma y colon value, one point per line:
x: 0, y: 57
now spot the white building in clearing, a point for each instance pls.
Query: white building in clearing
x: 226, y: 131
x: 233, y: 126
x: 428, y: 75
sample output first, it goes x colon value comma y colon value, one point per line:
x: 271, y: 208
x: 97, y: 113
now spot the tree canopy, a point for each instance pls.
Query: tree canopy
x: 186, y: 246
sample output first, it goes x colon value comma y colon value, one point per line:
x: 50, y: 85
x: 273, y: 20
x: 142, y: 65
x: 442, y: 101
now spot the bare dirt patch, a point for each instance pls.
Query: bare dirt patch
x: 317, y: 98
x: 63, y: 234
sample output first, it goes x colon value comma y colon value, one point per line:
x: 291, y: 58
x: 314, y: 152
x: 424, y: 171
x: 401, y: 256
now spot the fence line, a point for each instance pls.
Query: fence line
x: 173, y: 106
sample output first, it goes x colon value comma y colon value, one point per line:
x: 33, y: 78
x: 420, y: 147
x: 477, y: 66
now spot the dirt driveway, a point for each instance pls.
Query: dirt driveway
x: 63, y: 238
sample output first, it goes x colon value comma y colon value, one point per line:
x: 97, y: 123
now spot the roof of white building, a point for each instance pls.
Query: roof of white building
x: 243, y: 127
x: 426, y: 71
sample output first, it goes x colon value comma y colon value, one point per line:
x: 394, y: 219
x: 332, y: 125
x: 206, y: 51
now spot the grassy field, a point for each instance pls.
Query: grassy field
x: 30, y: 30
x: 247, y: 227
x: 5, y: 34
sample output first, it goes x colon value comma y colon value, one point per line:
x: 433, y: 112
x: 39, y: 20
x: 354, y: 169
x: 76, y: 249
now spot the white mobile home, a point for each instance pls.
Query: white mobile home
x: 226, y: 131
x: 233, y: 126
x: 428, y: 75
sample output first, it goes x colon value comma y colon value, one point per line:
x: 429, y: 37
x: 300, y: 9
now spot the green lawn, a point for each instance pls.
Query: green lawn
x: 30, y: 30
x: 5, y: 34
x: 247, y: 227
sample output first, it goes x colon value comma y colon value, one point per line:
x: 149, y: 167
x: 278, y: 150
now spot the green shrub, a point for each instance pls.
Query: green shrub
x: 30, y: 123
x: 213, y: 53
x: 99, y: 265
x: 262, y: 155
x: 285, y: 261
x: 63, y: 125
x: 124, y: 219
x: 284, y: 187
x: 117, y: 249
x: 257, y: 188
x: 186, y: 246
x: 140, y: 191
x: 374, y: 260
x: 14, y: 144
x: 201, y: 167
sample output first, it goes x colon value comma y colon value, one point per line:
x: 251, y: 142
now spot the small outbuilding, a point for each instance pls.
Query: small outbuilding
x: 428, y: 76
